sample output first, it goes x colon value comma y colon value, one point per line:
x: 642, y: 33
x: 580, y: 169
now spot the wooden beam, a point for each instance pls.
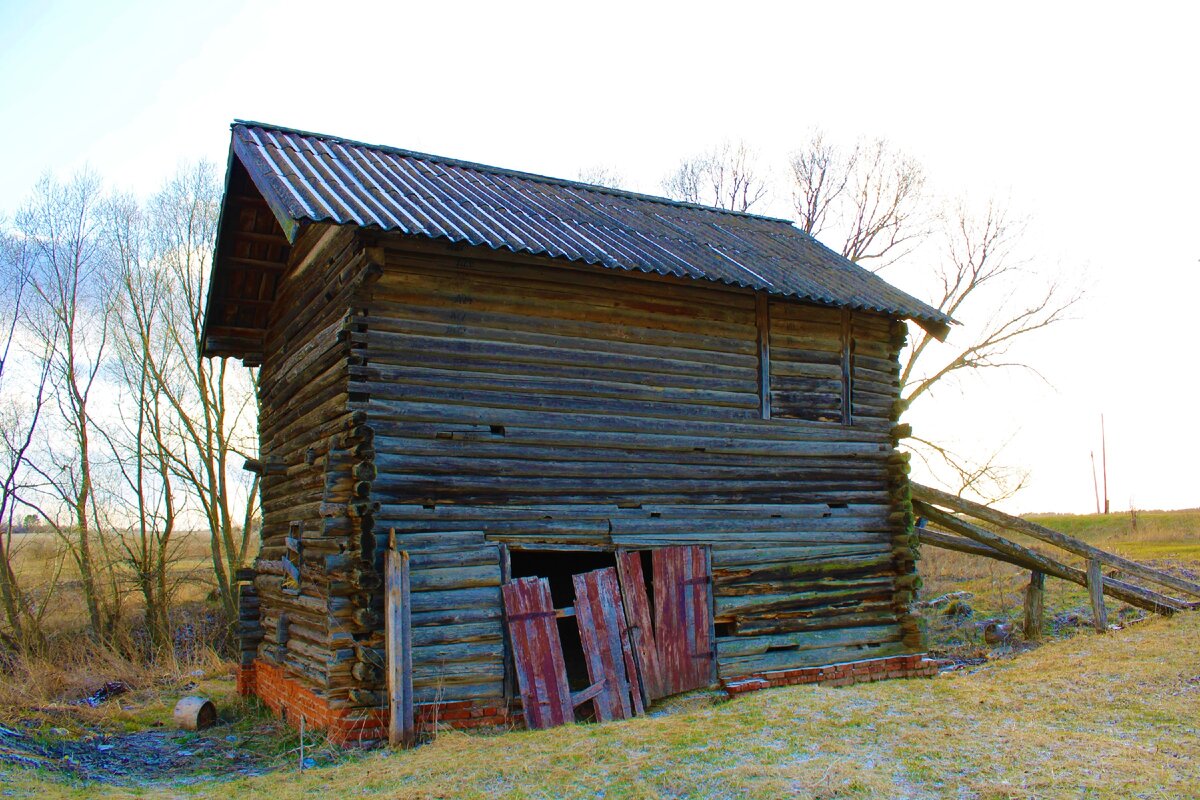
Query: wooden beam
x: 257, y: 263
x: 398, y: 631
x: 1031, y: 559
x: 847, y: 368
x: 933, y: 496
x: 762, y: 309
x: 1095, y: 582
x: 1035, y: 595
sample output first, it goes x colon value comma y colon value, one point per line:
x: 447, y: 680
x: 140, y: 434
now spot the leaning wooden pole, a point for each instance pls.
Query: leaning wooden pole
x: 1104, y: 461
x: 398, y: 625
x: 935, y: 497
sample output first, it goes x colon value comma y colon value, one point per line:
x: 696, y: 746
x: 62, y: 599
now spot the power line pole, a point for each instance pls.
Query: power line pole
x: 1095, y: 481
x: 1104, y: 462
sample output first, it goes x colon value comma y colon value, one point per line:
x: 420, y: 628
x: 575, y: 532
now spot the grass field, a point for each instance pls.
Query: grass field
x: 1110, y: 716
x: 1085, y: 715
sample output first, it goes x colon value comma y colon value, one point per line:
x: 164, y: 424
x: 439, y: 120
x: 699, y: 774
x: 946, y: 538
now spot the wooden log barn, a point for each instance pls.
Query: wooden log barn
x: 615, y: 446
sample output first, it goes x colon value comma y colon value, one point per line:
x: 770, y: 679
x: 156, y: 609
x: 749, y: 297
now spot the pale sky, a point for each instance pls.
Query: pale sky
x: 1083, y: 116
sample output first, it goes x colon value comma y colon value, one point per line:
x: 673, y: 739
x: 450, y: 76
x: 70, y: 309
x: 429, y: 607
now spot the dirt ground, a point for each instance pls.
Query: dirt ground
x: 128, y: 739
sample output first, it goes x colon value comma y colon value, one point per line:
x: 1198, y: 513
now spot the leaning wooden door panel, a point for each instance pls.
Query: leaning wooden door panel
x: 683, y: 618
x: 604, y: 635
x: 641, y: 627
x: 537, y: 652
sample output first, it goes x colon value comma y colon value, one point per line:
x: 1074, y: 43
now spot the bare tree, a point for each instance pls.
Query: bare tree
x: 728, y: 176
x: 142, y: 444
x: 19, y: 417
x: 981, y: 277
x: 980, y: 260
x: 69, y: 317
x: 871, y: 195
x: 872, y: 199
x: 212, y: 402
x: 601, y: 175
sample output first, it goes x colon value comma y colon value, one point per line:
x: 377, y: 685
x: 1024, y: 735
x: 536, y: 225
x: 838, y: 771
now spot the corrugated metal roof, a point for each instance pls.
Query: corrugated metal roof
x: 308, y: 177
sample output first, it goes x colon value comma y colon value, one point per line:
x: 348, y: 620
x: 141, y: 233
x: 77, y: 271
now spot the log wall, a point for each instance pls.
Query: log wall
x: 535, y: 405
x: 313, y: 450
x: 478, y: 402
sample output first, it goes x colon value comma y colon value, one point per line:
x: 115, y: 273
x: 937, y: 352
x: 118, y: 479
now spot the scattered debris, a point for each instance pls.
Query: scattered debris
x: 106, y: 691
x: 945, y: 599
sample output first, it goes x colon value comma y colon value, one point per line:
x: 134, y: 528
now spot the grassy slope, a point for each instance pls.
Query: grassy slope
x: 1095, y: 716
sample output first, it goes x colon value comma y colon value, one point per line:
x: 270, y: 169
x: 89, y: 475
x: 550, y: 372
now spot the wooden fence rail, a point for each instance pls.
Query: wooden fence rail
x: 946, y: 511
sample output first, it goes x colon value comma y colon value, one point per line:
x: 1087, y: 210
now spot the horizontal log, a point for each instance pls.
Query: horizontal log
x: 797, y: 659
x: 877, y: 613
x: 742, y: 646
x: 828, y: 593
x: 451, y: 578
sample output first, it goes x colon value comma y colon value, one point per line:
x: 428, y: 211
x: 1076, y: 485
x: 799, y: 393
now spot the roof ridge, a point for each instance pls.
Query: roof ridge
x: 531, y: 176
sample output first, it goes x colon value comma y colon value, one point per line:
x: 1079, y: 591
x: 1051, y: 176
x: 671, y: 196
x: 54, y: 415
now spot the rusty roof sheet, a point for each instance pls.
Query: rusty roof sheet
x: 308, y: 177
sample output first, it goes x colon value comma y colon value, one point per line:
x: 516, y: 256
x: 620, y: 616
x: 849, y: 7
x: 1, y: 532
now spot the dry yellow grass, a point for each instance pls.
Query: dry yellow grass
x: 1110, y: 716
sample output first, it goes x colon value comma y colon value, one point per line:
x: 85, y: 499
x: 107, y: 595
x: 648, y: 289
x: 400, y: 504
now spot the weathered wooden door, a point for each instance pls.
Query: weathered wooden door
x: 604, y: 634
x: 537, y: 652
x: 683, y: 632
x: 641, y: 625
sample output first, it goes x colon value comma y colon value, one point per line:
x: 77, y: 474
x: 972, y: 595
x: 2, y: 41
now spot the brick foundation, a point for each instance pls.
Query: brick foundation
x: 291, y: 700
x: 874, y: 669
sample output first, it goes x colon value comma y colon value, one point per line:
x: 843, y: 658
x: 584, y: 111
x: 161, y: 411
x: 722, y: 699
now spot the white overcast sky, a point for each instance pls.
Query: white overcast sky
x: 1084, y: 116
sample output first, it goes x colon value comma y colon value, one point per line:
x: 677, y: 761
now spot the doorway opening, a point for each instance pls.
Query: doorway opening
x: 558, y: 567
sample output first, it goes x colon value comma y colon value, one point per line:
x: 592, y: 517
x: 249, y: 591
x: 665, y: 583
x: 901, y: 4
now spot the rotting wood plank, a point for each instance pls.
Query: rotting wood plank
x: 640, y: 624
x: 537, y: 653
x: 398, y: 635
x: 603, y: 634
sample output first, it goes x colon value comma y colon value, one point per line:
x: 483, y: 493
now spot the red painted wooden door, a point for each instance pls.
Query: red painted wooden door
x: 604, y: 634
x: 537, y: 652
x: 683, y: 618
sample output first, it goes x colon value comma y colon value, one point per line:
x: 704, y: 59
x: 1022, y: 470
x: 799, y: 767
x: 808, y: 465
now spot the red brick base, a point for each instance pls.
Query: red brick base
x: 874, y: 669
x: 291, y: 700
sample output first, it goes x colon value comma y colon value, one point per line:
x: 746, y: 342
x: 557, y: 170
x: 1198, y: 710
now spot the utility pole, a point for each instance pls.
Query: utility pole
x: 1095, y: 481
x: 1104, y: 462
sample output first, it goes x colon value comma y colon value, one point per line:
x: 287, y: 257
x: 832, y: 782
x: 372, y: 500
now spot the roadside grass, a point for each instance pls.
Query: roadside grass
x: 1110, y: 716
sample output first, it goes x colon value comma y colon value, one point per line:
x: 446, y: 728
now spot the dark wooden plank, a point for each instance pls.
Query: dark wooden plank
x: 763, y: 318
x: 601, y: 618
x: 398, y: 633
x: 537, y: 653
x: 640, y: 624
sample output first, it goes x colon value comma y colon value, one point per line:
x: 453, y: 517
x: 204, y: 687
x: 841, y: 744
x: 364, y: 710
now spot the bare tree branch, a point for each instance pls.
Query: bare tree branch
x: 727, y: 176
